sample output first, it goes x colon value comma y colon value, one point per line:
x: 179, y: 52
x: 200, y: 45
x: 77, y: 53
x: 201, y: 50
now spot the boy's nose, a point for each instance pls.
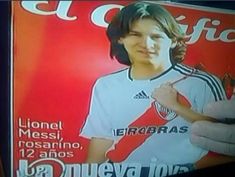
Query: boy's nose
x: 148, y: 42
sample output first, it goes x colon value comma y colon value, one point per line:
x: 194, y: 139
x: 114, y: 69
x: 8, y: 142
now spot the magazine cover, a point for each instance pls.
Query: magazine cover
x: 112, y: 88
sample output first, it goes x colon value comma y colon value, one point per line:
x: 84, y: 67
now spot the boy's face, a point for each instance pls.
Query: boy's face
x: 146, y: 43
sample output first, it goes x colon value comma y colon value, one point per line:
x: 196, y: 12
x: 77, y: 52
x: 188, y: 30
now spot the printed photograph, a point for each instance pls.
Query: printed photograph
x: 121, y: 88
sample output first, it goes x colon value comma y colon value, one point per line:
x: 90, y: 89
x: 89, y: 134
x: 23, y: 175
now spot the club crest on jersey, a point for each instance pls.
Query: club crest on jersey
x: 164, y: 112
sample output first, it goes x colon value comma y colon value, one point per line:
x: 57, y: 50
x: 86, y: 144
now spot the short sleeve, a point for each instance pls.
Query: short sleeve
x: 211, y: 91
x: 98, y: 123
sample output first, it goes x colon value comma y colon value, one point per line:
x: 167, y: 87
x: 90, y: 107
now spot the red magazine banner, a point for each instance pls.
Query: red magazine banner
x: 59, y: 50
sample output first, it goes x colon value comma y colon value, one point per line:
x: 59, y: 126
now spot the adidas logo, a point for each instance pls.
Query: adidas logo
x: 141, y: 95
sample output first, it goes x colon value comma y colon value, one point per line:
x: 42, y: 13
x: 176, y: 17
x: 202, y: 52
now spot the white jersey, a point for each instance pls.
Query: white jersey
x: 118, y: 100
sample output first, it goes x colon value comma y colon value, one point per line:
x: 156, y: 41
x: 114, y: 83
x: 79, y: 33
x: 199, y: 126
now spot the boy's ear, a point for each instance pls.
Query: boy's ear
x: 120, y: 41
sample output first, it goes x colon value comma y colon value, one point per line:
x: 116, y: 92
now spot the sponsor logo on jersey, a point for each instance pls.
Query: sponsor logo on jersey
x: 149, y: 130
x: 141, y: 95
x: 164, y: 112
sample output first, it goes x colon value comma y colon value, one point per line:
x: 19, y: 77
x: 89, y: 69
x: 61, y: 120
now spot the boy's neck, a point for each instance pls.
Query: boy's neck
x: 147, y: 71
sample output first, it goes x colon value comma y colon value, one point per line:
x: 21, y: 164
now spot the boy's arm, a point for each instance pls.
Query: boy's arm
x: 169, y: 97
x: 97, y: 150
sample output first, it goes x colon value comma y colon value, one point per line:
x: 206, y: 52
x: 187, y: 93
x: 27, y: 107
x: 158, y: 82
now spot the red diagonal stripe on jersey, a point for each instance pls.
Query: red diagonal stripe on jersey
x: 129, y: 143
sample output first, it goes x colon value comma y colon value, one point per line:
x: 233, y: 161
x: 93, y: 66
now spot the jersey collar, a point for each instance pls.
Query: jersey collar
x: 153, y: 78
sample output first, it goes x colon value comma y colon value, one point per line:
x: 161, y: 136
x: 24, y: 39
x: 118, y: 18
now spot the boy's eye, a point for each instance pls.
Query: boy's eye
x: 134, y: 34
x: 156, y: 36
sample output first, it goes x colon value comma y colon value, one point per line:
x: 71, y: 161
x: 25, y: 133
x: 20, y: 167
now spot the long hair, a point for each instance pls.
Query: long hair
x: 121, y: 23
